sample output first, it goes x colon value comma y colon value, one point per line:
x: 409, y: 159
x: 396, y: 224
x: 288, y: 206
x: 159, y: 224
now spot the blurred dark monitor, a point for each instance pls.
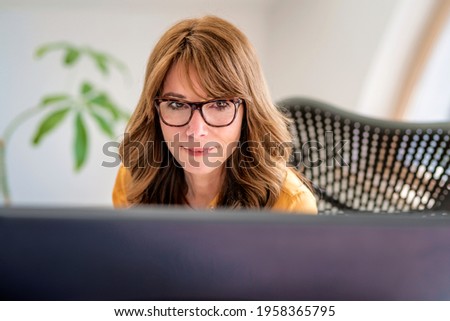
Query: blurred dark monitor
x: 177, y: 254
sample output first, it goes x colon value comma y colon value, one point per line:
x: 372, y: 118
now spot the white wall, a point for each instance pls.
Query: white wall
x: 393, y: 57
x: 351, y: 53
x: 324, y: 48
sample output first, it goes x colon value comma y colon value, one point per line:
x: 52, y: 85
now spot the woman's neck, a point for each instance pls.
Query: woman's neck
x: 202, y: 189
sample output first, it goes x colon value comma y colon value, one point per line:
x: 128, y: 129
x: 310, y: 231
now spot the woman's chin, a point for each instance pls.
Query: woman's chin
x: 200, y: 167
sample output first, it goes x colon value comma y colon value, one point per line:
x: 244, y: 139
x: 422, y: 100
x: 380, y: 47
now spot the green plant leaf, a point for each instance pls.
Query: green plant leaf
x: 86, y: 88
x: 81, y: 142
x: 49, y: 123
x: 52, y: 99
x: 41, y: 51
x: 71, y: 56
x: 104, y: 102
x: 119, y: 65
x: 104, y: 124
x: 44, y: 49
x: 124, y: 115
x: 101, y: 62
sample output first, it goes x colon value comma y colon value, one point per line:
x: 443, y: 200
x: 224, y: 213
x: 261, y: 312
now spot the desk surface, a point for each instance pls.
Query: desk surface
x: 174, y: 254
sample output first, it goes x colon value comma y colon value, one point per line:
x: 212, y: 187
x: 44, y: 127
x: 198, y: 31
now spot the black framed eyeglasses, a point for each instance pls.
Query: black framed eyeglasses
x: 215, y: 113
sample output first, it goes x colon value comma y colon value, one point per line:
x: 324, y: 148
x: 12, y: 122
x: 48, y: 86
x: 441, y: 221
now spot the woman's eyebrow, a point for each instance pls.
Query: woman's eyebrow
x: 172, y: 94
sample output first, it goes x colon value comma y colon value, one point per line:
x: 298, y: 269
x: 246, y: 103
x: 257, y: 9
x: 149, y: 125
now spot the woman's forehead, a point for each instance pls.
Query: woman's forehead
x: 184, y: 82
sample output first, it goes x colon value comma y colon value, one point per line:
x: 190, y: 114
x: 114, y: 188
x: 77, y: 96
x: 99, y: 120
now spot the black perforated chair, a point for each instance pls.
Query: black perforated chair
x: 358, y: 163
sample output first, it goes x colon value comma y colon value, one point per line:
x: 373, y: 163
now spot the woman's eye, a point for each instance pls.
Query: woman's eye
x: 221, y: 104
x: 175, y: 104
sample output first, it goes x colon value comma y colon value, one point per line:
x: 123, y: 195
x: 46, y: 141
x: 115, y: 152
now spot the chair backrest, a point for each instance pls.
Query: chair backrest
x: 366, y: 164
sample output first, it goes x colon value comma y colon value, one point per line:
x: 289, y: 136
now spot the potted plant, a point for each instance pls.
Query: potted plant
x: 88, y: 102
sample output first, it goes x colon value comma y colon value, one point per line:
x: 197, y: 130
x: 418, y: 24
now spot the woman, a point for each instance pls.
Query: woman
x: 205, y: 133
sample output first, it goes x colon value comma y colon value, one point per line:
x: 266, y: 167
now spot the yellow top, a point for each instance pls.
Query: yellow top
x: 294, y: 196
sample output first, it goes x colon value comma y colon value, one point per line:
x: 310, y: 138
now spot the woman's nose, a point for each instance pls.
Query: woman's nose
x: 197, y: 126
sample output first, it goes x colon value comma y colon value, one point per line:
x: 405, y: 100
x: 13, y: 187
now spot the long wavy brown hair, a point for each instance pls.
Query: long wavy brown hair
x: 227, y: 66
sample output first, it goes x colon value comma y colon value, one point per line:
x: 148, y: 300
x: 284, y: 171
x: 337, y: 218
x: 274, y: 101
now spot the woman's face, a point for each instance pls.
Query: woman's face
x: 198, y: 147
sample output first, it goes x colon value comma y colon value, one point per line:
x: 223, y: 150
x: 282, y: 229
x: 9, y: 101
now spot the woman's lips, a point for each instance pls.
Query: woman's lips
x: 198, y: 151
